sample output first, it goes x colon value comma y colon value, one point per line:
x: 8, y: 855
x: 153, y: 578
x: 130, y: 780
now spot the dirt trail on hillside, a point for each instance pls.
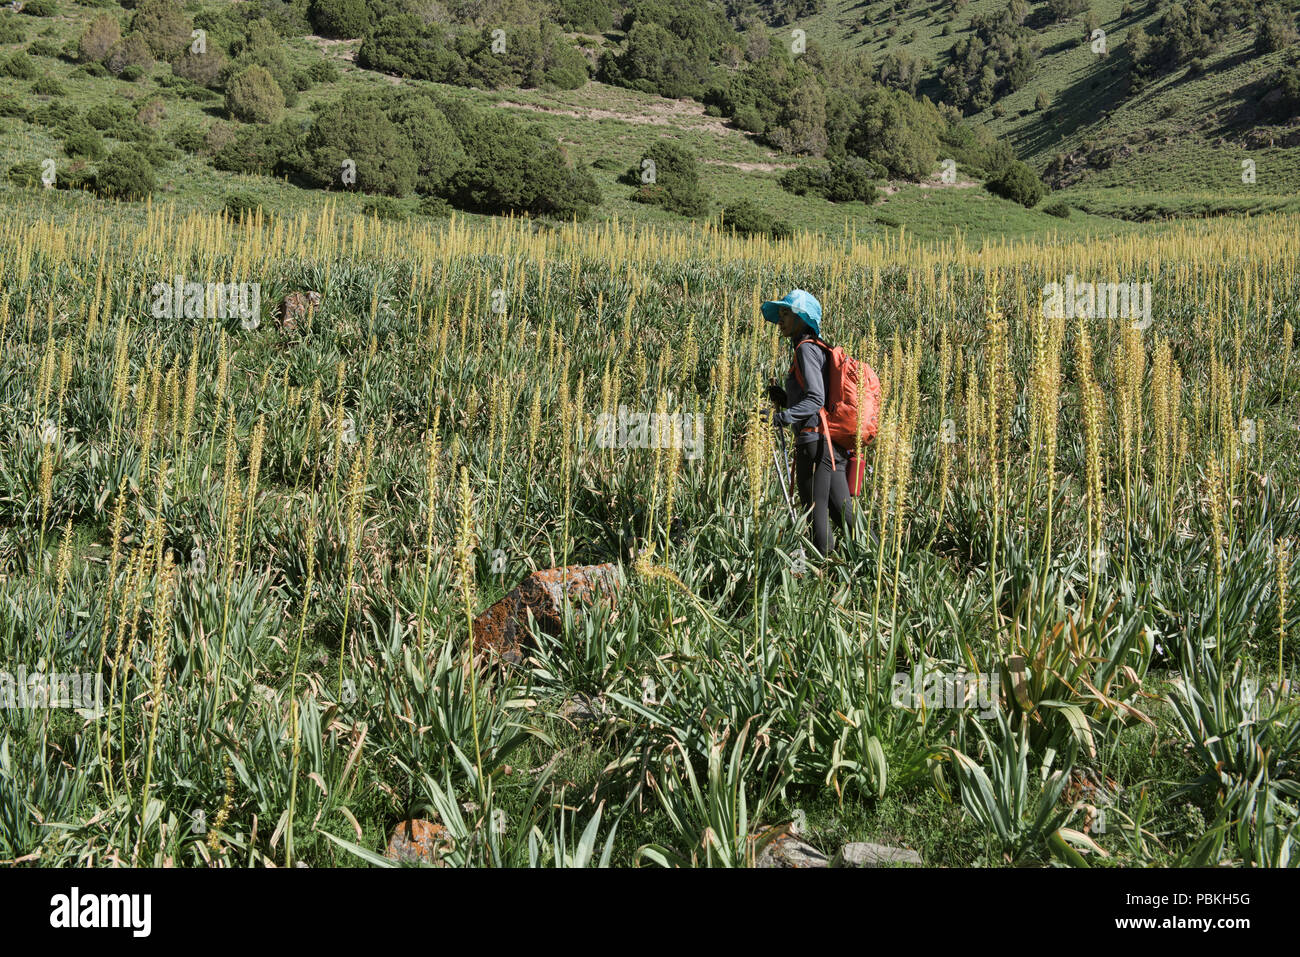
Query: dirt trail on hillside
x: 331, y: 48
x: 751, y: 167
x: 676, y: 113
x: 935, y: 181
x: 664, y: 113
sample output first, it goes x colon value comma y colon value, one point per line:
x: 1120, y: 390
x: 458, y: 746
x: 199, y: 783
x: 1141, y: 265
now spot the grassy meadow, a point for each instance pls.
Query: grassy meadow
x: 268, y: 539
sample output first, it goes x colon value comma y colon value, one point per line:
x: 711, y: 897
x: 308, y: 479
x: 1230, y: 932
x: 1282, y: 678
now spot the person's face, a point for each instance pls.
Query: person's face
x: 790, y: 323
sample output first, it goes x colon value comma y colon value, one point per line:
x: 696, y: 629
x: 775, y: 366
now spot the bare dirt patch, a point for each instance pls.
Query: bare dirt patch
x: 336, y: 49
x: 936, y: 182
x: 750, y: 167
x: 677, y: 113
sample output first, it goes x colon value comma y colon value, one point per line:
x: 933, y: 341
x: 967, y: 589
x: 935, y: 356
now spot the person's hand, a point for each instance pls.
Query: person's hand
x: 777, y: 395
x: 779, y: 419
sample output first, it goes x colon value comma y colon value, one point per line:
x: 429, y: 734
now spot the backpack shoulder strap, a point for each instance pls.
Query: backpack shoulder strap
x: 794, y: 361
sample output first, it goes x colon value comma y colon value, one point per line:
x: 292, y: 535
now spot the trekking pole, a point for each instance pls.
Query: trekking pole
x: 782, y: 475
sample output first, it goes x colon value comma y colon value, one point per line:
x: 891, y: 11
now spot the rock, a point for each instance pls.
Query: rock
x: 873, y: 855
x: 786, y: 850
x: 503, y: 628
x: 418, y: 842
x: 583, y: 709
x: 297, y: 305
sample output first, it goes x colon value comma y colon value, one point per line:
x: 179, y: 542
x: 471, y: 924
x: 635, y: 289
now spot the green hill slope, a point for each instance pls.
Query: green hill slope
x: 1174, y: 149
x: 1176, y: 146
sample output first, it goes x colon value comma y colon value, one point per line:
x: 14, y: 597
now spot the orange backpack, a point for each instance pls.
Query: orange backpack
x: 852, y: 404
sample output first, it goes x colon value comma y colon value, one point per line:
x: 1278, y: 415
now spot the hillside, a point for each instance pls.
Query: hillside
x: 1187, y: 132
x: 1173, y: 149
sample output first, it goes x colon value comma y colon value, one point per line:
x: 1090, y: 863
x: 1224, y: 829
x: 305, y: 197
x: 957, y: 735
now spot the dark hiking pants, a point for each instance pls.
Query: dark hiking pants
x: 825, y: 488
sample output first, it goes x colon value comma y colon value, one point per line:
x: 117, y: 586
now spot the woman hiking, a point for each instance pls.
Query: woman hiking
x: 821, y: 477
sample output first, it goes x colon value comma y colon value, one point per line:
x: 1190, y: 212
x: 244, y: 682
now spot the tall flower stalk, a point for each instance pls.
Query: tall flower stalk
x: 294, y: 729
x: 465, y: 544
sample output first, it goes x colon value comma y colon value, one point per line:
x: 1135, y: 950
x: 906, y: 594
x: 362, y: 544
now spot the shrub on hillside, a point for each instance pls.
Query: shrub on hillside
x: 405, y: 46
x: 125, y: 174
x: 997, y: 57
x: 513, y: 167
x: 666, y: 176
x: 189, y: 136
x: 370, y: 144
x: 1061, y: 10
x: 44, y: 48
x: 40, y: 8
x: 1058, y: 208
x: 19, y: 66
x: 587, y: 16
x: 340, y: 19
x: 284, y: 18
x: 1275, y: 29
x: 238, y: 203
x: 151, y: 113
x: 60, y: 116
x: 654, y: 60
x: 131, y: 72
x: 533, y: 57
x: 1186, y: 32
x: 761, y: 97
x: 254, y: 97
x: 323, y: 71
x: 267, y: 150
x: 1018, y: 183
x: 845, y: 180
x: 897, y: 132
x: 902, y: 71
x: 749, y: 119
x: 1287, y: 83
x: 48, y: 86
x: 26, y: 175
x: 852, y: 179
x: 271, y: 58
x: 109, y: 115
x: 87, y: 143
x: 746, y: 218
x: 385, y: 208
x: 131, y: 50
x: 434, y: 206
x: 11, y: 106
x: 802, y: 180
x: 11, y: 30
x: 437, y: 148
x: 163, y: 25
x: 157, y: 151
x: 670, y: 48
x: 203, y: 69
x: 800, y: 125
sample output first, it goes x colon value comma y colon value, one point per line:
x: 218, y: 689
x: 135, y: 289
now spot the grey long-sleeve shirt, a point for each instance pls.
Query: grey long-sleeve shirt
x: 802, y: 405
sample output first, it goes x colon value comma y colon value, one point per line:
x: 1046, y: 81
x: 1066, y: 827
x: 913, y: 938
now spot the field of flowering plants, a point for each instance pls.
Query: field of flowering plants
x: 262, y: 540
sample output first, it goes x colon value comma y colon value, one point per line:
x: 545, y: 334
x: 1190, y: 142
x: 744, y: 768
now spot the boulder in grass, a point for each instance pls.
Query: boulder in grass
x: 782, y: 847
x: 503, y: 628
x: 874, y: 855
x: 297, y: 306
x: 418, y: 842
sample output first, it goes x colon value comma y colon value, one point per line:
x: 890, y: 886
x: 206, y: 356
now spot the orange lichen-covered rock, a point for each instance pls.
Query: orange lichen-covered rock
x: 503, y: 628
x: 419, y: 842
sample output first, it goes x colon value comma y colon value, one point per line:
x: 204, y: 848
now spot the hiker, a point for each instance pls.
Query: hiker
x: 820, y: 467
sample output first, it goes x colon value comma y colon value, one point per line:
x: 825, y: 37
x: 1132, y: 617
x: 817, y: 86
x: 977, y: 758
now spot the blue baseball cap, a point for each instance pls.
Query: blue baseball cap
x: 802, y: 304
